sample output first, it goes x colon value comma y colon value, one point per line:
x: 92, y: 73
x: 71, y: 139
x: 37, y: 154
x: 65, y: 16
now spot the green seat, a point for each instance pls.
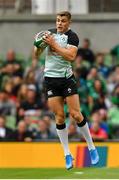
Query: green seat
x: 108, y: 60
x: 11, y: 122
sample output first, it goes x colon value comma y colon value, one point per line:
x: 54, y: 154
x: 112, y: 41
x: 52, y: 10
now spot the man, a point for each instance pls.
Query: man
x: 60, y: 83
x: 21, y: 134
x: 5, y: 132
x: 11, y: 66
x: 85, y: 52
x: 31, y: 106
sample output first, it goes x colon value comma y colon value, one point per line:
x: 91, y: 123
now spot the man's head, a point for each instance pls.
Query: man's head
x: 22, y: 127
x: 42, y: 125
x: 10, y: 55
x: 100, y: 58
x: 93, y: 72
x: 47, y: 120
x: 31, y: 93
x: 63, y: 21
x: 96, y: 117
x: 95, y: 126
x: 4, y: 97
x: 72, y: 129
x: 86, y: 43
x: 2, y: 121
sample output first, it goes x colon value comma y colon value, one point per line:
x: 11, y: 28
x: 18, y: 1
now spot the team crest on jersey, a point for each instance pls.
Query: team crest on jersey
x: 64, y: 38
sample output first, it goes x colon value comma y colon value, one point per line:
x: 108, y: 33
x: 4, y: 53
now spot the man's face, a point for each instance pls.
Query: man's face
x: 21, y: 127
x: 86, y: 44
x: 10, y: 55
x: 31, y: 95
x: 62, y: 24
x: 2, y: 122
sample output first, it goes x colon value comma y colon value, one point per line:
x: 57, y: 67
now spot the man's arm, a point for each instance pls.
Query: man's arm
x: 37, y: 52
x: 68, y: 53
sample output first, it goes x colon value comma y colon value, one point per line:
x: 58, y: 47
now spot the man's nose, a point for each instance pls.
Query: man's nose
x: 60, y: 22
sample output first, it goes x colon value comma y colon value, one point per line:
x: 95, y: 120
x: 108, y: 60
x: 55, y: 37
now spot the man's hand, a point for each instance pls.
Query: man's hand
x: 49, y: 39
x: 68, y: 53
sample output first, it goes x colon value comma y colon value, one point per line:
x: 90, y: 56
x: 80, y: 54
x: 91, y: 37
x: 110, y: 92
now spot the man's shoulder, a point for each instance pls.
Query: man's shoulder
x: 73, y: 38
x: 70, y: 32
x: 8, y: 130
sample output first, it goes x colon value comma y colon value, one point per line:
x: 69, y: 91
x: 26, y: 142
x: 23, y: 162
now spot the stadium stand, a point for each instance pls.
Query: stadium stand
x: 98, y: 88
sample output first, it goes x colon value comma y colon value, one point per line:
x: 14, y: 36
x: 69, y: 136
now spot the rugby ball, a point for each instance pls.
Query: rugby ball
x: 38, y: 41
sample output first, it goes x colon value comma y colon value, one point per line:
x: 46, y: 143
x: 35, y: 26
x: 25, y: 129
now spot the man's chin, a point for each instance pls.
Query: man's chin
x: 59, y: 31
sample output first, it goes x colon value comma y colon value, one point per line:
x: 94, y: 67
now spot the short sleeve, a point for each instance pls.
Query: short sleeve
x: 73, y: 40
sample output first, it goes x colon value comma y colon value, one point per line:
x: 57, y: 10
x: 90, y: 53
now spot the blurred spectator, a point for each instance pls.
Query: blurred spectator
x: 30, y: 79
x: 97, y: 96
x: 113, y: 79
x: 44, y: 132
x: 113, y: 114
x: 37, y: 72
x: 73, y: 134
x: 11, y: 69
x: 102, y: 68
x: 32, y: 105
x: 7, y: 106
x: 50, y: 124
x: 98, y: 116
x: 11, y: 66
x: 83, y: 95
x: 115, y: 52
x: 98, y: 134
x: 22, y: 134
x: 22, y: 93
x: 85, y: 51
x: 103, y: 115
x: 5, y: 132
x: 9, y: 88
x: 81, y: 67
x: 93, y: 74
x: 31, y: 124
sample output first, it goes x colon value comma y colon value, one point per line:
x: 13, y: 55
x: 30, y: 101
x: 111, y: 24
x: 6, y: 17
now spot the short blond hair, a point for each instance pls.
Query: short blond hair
x: 65, y: 13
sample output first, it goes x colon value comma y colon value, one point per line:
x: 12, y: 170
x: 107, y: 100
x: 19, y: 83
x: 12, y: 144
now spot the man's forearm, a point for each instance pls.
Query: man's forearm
x: 65, y: 53
x: 37, y: 52
x: 69, y: 54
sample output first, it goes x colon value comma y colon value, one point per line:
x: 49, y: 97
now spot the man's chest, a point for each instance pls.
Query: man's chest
x: 62, y: 40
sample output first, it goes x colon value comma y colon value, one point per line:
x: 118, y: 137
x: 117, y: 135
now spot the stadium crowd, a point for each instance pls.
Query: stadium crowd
x: 24, y: 114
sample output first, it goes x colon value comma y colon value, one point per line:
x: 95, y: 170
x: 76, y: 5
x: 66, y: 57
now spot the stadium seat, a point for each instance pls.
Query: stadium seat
x: 11, y: 121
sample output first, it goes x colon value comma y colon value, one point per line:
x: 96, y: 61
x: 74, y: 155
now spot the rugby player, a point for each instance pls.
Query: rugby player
x: 61, y: 83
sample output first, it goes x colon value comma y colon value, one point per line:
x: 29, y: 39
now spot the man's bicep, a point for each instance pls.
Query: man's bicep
x: 37, y: 52
x: 72, y: 49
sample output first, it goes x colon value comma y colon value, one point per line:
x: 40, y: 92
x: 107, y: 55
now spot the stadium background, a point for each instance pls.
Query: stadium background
x: 21, y: 78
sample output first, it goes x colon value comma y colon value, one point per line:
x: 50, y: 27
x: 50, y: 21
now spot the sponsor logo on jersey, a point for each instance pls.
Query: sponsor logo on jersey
x: 50, y: 92
x: 69, y: 90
